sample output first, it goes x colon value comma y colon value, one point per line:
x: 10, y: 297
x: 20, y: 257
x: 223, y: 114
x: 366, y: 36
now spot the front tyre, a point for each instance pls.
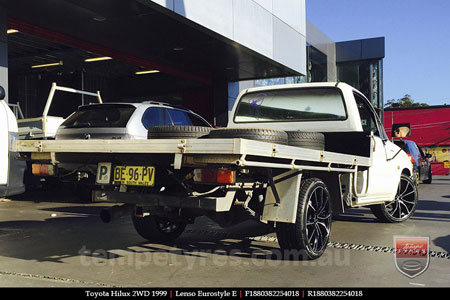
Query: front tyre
x: 402, y: 207
x: 430, y: 177
x: 157, y: 229
x: 310, y: 233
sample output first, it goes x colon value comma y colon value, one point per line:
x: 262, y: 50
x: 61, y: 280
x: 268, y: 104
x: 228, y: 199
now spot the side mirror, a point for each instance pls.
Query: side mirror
x: 401, y: 130
x: 2, y: 93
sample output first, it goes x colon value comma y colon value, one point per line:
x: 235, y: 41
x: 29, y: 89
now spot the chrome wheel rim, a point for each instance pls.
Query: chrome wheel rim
x: 318, y: 220
x: 405, y: 201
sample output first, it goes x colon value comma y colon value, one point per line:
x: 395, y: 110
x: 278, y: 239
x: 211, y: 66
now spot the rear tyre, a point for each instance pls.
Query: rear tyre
x: 157, y: 229
x: 430, y: 178
x: 310, y: 233
x: 402, y: 207
x: 175, y: 132
x: 304, y: 139
x: 258, y: 134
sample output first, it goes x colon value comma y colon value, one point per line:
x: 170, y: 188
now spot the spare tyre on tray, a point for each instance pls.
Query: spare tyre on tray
x: 307, y: 139
x: 257, y: 134
x: 304, y: 139
x: 177, y: 131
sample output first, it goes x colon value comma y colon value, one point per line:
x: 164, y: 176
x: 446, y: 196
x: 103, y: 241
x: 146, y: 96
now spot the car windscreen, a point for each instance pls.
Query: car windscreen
x: 291, y: 105
x: 102, y: 115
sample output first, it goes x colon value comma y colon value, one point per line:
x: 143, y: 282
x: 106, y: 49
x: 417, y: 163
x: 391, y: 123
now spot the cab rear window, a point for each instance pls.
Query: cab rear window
x: 291, y: 105
x: 101, y: 115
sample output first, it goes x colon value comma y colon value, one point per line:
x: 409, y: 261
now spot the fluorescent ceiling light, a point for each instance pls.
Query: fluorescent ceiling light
x: 47, y: 65
x: 99, y: 18
x: 10, y: 31
x: 147, y: 72
x: 97, y: 59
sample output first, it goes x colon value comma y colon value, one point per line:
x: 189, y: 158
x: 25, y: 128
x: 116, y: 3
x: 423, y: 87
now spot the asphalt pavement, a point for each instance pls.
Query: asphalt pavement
x: 49, y: 238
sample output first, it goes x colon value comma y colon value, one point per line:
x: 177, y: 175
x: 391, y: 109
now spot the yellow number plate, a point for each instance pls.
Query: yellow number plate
x: 134, y: 175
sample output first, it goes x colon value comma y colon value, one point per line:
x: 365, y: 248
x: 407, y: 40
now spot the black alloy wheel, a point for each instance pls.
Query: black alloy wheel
x: 402, y: 207
x: 311, y: 231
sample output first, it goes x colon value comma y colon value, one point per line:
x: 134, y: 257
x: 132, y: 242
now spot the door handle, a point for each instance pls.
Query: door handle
x: 374, y: 143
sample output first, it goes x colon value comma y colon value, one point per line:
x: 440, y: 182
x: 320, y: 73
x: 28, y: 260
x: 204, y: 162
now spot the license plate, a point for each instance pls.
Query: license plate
x: 134, y: 175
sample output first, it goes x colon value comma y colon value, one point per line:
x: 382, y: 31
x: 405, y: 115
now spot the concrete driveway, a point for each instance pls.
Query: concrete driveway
x: 50, y: 239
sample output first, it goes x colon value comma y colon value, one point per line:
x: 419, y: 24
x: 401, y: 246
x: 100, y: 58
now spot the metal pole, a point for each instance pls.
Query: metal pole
x: 82, y: 86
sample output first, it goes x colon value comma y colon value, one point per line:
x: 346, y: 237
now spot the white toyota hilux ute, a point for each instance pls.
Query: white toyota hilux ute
x: 289, y: 157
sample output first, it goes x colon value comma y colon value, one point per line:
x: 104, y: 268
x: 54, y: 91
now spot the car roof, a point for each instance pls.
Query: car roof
x: 145, y: 103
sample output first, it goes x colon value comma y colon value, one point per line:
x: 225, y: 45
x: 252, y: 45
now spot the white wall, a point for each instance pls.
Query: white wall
x: 273, y: 28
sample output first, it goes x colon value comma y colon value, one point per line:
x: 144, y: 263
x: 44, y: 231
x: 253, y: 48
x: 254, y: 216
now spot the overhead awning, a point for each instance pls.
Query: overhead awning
x: 147, y: 35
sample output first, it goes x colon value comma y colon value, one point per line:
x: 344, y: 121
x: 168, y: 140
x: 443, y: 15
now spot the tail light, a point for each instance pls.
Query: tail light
x: 222, y: 176
x: 411, y: 158
x: 43, y: 169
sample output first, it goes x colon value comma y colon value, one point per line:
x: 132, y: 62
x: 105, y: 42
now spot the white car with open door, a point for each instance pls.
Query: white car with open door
x: 61, y: 102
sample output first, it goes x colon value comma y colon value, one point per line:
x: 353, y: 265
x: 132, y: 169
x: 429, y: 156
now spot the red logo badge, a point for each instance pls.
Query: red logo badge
x: 412, y: 255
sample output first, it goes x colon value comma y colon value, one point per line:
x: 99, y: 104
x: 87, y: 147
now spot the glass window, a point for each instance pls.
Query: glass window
x: 349, y: 73
x: 317, y: 65
x: 368, y: 120
x: 180, y: 117
x: 196, y: 121
x: 291, y: 105
x: 101, y: 115
x: 422, y: 154
x: 365, y: 76
x: 155, y: 116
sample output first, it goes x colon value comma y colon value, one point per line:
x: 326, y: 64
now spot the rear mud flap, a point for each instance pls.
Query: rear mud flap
x: 287, y: 187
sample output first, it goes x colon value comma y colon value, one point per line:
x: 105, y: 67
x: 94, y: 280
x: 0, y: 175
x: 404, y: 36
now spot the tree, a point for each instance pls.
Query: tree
x: 405, y: 101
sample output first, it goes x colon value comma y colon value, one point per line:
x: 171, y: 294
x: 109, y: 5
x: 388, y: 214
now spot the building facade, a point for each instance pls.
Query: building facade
x: 358, y: 63
x: 202, y: 52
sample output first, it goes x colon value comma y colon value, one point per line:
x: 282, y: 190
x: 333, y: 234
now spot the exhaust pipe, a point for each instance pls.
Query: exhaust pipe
x: 115, y: 212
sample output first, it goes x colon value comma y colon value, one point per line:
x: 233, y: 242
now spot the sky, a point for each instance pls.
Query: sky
x: 417, y: 58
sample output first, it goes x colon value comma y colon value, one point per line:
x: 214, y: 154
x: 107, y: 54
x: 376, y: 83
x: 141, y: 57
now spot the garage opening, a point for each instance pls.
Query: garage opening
x: 35, y: 63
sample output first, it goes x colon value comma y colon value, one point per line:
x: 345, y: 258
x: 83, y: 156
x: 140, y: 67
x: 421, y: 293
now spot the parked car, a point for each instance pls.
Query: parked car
x: 422, y: 167
x: 124, y: 120
x: 118, y: 121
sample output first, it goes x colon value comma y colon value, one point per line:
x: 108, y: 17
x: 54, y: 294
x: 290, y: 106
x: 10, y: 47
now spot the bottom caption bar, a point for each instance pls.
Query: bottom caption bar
x: 247, y: 293
x: 227, y: 293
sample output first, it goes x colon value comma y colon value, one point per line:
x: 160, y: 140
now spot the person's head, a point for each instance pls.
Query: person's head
x: 401, y: 132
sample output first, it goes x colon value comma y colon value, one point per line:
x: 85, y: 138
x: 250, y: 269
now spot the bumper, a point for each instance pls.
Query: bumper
x: 217, y: 204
